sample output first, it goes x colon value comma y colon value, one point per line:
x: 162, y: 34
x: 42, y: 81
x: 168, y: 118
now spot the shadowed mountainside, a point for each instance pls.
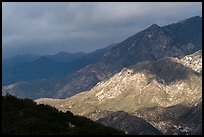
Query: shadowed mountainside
x: 151, y: 44
x: 161, y: 92
x: 32, y: 67
x: 130, y: 124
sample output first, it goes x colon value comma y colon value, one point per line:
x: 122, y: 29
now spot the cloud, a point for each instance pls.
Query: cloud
x: 45, y: 28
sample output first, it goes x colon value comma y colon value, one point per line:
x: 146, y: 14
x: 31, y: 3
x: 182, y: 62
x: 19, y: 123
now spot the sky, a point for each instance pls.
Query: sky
x: 48, y: 28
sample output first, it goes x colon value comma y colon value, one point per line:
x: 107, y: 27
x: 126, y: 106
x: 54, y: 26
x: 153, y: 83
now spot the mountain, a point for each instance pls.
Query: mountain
x: 25, y: 117
x: 31, y: 67
x: 25, y: 68
x: 151, y: 44
x: 19, y: 59
x: 92, y: 57
x: 132, y: 125
x: 65, y: 57
x: 8, y: 66
x: 179, y: 119
x: 166, y: 93
x: 40, y: 68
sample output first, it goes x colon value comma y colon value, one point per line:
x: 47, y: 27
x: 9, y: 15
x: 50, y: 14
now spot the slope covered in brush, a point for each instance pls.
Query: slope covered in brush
x: 25, y: 117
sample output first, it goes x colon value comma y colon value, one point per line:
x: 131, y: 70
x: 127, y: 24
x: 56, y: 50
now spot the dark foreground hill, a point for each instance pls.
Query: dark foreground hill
x: 25, y: 117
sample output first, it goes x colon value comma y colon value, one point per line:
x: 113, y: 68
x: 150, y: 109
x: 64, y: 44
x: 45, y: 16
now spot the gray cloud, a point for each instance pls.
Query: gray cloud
x: 47, y: 28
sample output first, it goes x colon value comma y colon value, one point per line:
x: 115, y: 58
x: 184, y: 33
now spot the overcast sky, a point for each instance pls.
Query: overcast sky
x: 47, y: 28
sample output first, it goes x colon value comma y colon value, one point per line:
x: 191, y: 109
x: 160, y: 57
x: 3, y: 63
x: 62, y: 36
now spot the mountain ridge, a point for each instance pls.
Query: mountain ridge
x: 48, y: 66
x: 144, y: 91
x: 147, y: 45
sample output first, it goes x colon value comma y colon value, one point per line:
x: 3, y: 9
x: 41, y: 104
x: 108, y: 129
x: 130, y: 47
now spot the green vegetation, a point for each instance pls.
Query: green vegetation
x: 25, y: 117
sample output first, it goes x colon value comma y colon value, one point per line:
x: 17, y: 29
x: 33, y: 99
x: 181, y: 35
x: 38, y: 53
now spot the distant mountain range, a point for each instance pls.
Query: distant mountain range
x: 166, y: 93
x: 151, y: 44
x: 34, y: 67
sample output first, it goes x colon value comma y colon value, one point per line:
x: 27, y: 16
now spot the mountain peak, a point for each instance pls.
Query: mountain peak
x: 154, y: 26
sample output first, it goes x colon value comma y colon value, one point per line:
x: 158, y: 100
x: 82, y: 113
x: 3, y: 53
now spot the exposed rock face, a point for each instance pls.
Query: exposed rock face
x: 193, y: 61
x: 178, y: 119
x: 160, y: 92
x: 153, y: 43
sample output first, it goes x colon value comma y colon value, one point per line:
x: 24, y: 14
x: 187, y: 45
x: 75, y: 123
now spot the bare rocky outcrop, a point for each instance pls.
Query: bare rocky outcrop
x: 151, y: 44
x: 163, y: 93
